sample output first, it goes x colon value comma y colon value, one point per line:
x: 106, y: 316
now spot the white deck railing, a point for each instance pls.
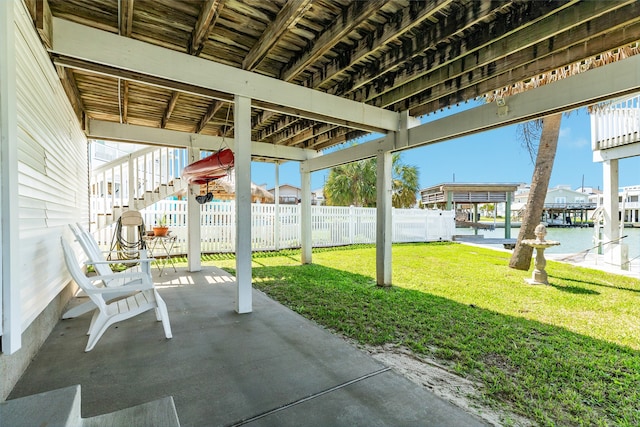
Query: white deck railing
x: 617, y: 124
x: 331, y: 225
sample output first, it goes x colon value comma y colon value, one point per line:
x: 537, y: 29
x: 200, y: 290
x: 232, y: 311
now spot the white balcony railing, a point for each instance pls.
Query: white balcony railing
x: 616, y: 125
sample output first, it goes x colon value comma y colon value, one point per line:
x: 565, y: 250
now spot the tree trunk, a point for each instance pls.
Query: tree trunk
x: 521, y: 258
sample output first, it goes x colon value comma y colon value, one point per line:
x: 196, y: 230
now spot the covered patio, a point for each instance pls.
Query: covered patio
x: 278, y: 81
x: 272, y: 367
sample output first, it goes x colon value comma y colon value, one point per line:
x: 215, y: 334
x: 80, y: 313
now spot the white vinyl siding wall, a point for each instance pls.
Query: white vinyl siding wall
x: 52, y: 171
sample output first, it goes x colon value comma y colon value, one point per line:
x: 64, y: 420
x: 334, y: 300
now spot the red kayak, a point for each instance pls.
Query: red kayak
x: 211, y: 167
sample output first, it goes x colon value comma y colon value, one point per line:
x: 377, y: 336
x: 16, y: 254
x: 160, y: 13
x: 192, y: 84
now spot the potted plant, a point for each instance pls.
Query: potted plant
x: 161, y: 228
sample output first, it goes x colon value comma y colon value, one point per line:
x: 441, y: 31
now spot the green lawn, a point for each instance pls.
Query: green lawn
x: 564, y: 354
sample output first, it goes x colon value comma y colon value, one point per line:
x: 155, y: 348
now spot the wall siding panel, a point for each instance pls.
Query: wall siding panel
x: 52, y: 171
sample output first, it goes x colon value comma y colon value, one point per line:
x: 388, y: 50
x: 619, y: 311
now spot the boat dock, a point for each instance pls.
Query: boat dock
x: 481, y: 240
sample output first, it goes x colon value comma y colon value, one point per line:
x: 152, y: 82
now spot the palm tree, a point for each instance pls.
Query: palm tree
x: 355, y: 184
x: 521, y: 257
x: 546, y: 152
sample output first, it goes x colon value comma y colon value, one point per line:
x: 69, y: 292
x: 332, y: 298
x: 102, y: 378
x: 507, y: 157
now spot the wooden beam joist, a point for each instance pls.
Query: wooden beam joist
x: 434, y: 99
x: 126, y: 17
x: 286, y: 18
x: 206, y: 21
x: 169, y: 110
x: 523, y: 46
x: 354, y: 15
x: 214, y: 107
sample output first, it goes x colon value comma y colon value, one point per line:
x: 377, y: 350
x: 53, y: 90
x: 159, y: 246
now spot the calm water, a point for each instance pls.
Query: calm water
x: 572, y: 240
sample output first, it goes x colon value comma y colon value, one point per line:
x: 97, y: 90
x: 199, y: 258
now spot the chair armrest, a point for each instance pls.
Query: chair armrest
x: 123, y: 289
x: 147, y: 283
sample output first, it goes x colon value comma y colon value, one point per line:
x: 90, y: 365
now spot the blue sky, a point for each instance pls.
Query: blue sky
x: 493, y: 156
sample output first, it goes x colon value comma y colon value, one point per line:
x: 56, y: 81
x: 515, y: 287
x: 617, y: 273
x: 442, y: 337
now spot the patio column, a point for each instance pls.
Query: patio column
x: 613, y: 252
x: 306, y: 242
x: 276, y: 213
x: 383, y: 209
x: 242, y: 129
x: 10, y: 304
x: 194, y: 247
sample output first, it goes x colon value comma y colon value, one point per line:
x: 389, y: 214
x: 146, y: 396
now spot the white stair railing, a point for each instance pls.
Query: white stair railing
x: 135, y: 181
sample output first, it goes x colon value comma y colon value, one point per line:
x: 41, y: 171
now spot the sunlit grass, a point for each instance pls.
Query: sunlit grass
x: 564, y: 354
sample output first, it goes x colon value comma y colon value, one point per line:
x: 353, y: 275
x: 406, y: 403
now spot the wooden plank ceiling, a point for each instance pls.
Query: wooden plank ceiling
x: 420, y: 56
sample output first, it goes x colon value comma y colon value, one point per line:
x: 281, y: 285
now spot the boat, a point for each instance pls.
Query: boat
x: 210, y: 168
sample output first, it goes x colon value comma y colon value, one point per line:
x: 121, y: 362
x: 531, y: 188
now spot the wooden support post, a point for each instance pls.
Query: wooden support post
x: 194, y: 249
x: 305, y: 214
x: 384, y: 226
x: 242, y: 128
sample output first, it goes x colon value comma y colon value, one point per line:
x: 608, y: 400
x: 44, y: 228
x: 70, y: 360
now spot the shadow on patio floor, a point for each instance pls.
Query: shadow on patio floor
x: 269, y: 367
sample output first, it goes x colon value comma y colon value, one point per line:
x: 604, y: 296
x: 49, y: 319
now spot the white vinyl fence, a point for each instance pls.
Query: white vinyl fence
x: 331, y: 225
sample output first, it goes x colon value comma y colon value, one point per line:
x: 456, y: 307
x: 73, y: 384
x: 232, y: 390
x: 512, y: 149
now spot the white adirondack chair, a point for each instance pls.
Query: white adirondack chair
x: 102, y: 267
x: 144, y: 297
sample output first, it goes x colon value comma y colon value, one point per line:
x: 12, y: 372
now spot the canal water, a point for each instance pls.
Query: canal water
x: 572, y: 240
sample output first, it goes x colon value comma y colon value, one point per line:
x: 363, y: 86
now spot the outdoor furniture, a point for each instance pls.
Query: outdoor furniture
x: 102, y: 267
x: 144, y: 297
x: 161, y: 246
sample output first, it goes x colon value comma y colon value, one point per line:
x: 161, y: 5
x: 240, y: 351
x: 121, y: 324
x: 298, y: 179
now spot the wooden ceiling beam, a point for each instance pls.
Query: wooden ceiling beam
x: 434, y: 100
x: 170, y: 107
x: 409, y: 18
x: 206, y: 21
x: 214, y: 107
x: 110, y: 131
x: 436, y: 32
x: 71, y: 89
x: 286, y: 18
x: 126, y: 17
x: 92, y: 46
x: 411, y: 54
x: 354, y: 15
x: 124, y: 101
x: 551, y: 34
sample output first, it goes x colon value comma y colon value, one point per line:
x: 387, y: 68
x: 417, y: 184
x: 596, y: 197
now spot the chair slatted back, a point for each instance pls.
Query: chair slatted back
x: 90, y: 248
x: 78, y: 275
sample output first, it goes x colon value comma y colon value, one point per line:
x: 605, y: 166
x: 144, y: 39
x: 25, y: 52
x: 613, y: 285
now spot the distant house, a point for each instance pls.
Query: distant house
x: 562, y: 205
x: 289, y: 194
x: 317, y: 197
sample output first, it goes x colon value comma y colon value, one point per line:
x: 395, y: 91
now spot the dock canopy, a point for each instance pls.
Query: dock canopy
x: 472, y: 193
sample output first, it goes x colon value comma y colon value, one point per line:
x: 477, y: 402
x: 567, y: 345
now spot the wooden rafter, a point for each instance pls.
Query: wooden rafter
x: 287, y: 17
x: 169, y: 110
x: 126, y: 17
x: 427, y: 102
x: 469, y: 15
x: 211, y: 111
x: 71, y: 89
x: 410, y: 18
x: 357, y: 13
x: 571, y: 27
x: 206, y: 21
x: 124, y: 101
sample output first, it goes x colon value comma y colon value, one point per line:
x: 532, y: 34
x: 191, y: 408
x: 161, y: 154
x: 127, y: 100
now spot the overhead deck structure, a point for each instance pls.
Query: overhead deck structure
x: 284, y: 80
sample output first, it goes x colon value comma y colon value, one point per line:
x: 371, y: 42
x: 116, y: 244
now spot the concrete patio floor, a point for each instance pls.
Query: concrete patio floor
x: 271, y: 367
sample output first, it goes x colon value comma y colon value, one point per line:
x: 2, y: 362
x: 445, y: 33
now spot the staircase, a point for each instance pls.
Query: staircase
x: 134, y: 182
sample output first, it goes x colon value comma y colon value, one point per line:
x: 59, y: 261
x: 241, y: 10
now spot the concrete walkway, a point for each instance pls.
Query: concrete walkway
x: 268, y: 368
